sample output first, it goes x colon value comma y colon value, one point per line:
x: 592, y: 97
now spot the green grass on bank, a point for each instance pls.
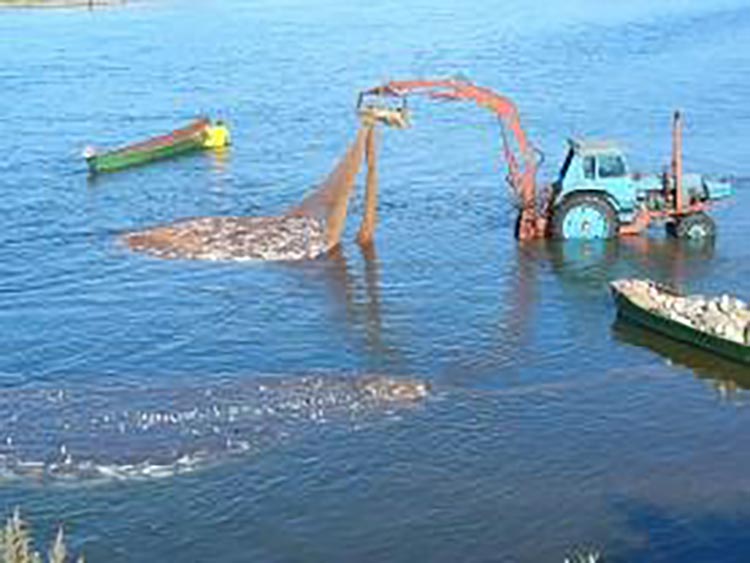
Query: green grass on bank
x: 17, y: 546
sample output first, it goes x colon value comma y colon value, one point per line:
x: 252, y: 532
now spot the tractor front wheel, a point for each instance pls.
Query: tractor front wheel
x: 695, y: 226
x: 585, y: 216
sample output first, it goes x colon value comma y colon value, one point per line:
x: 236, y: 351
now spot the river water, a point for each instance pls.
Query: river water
x: 548, y: 426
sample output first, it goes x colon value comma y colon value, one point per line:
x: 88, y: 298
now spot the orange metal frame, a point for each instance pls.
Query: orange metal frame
x: 644, y: 217
x: 519, y: 153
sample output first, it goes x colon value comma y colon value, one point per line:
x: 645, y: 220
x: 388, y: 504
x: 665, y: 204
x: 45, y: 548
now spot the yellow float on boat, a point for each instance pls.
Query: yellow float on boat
x: 217, y: 136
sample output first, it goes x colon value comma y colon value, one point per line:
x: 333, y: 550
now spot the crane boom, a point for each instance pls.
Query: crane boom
x: 519, y: 153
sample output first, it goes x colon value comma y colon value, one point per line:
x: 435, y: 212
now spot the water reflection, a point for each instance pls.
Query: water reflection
x: 727, y: 376
x: 671, y: 260
x: 656, y: 527
x: 220, y: 159
x: 504, y: 339
x: 598, y: 262
x: 360, y: 297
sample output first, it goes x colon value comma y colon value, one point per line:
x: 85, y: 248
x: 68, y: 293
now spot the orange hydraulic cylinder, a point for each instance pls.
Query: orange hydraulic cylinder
x: 677, y: 161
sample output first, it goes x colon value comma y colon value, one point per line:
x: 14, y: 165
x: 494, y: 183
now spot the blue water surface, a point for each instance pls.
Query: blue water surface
x: 548, y: 427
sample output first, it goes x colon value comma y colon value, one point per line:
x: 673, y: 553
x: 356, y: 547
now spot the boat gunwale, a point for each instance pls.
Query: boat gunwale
x: 194, y: 130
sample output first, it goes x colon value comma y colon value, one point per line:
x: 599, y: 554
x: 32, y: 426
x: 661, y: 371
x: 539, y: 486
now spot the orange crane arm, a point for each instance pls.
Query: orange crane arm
x: 518, y: 151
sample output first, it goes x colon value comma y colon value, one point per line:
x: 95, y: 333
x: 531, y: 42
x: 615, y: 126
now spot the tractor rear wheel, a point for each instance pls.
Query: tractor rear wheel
x: 585, y: 216
x: 695, y: 226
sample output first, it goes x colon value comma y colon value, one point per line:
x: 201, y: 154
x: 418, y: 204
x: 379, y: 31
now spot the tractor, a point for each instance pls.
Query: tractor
x: 594, y: 196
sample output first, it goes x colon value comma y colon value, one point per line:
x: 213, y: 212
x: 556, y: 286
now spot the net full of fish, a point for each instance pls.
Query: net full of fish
x: 234, y: 238
x: 724, y: 316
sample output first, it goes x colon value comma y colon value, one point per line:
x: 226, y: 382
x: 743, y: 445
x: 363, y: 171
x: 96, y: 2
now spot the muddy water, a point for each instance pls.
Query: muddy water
x: 548, y: 425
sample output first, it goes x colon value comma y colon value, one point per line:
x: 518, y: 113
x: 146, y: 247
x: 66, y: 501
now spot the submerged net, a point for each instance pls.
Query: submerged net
x: 96, y: 434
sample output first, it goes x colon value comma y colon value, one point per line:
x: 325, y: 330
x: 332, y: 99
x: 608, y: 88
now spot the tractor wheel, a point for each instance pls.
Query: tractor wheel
x: 695, y: 226
x: 585, y: 216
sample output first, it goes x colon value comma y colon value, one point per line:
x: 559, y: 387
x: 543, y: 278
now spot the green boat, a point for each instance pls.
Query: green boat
x: 200, y: 134
x: 629, y: 310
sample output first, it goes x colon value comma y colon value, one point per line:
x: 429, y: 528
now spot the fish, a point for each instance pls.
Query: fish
x: 233, y: 238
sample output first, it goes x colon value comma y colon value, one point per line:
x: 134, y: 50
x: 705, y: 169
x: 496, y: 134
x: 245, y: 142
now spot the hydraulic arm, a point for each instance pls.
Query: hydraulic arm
x: 520, y: 154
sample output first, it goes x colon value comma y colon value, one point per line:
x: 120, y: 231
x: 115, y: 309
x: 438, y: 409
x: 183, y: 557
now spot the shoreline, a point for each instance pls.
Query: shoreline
x: 60, y: 3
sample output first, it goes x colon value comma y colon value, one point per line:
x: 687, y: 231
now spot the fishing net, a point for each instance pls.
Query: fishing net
x: 329, y: 202
x: 367, y: 229
x: 308, y: 230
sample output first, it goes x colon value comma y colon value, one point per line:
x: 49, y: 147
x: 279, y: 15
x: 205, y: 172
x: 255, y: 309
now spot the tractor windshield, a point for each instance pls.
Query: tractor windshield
x: 611, y: 166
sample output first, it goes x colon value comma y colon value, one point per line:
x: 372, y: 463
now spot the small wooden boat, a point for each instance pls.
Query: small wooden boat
x: 632, y: 309
x: 200, y: 134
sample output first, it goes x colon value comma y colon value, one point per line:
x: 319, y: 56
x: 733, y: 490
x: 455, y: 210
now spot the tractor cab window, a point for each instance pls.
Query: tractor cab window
x: 611, y: 166
x: 588, y: 167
